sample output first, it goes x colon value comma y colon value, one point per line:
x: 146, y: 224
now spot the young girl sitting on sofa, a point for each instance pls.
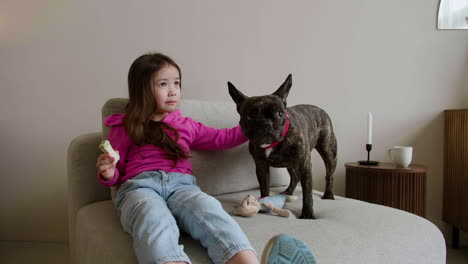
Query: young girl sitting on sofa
x: 157, y: 193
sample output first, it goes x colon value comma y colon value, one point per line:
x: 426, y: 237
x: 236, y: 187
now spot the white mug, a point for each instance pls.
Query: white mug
x: 401, y: 156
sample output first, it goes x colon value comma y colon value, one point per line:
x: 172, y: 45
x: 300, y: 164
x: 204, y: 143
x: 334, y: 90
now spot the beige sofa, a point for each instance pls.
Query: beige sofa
x: 345, y: 231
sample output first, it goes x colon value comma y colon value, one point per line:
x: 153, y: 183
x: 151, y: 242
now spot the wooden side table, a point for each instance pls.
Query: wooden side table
x: 389, y: 185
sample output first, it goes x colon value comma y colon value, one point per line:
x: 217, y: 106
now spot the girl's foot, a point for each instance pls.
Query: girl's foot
x: 286, y: 249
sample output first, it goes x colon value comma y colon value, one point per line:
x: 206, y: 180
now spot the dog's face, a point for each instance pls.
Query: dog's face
x: 262, y: 118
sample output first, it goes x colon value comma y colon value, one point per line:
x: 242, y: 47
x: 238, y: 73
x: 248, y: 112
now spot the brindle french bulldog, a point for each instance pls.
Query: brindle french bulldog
x: 285, y: 137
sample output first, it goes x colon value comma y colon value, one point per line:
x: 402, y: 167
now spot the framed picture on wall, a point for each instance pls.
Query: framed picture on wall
x: 453, y: 14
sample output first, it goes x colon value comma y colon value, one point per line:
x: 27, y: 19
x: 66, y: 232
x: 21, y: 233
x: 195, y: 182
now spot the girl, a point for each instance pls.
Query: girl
x: 158, y: 194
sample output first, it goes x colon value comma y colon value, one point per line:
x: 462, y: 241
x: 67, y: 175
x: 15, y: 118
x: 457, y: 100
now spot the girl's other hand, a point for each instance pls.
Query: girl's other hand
x: 105, y: 165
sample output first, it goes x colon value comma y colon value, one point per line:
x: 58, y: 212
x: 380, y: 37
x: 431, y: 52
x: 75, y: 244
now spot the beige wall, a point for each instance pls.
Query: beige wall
x: 61, y: 60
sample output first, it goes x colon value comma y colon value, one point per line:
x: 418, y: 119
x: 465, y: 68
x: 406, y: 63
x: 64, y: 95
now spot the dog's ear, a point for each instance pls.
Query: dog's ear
x: 283, y: 91
x: 236, y: 95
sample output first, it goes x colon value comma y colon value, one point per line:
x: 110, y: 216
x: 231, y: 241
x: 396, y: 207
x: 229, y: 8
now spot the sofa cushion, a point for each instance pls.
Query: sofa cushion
x: 345, y: 231
x: 208, y: 166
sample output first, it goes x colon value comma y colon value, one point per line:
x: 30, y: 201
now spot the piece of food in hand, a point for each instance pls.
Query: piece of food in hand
x: 106, y: 147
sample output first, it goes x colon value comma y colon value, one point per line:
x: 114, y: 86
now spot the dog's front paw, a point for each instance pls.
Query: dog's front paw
x: 328, y: 195
x: 307, y: 215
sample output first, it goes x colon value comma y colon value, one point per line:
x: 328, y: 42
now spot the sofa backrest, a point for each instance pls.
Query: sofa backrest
x: 217, y: 172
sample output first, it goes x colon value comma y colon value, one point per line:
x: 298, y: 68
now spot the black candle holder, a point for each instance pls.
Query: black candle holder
x: 368, y: 161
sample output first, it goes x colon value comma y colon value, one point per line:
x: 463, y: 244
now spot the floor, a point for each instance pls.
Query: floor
x: 13, y: 252
x: 457, y: 256
x: 57, y: 253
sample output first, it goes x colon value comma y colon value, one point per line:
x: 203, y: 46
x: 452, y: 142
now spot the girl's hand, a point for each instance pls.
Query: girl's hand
x: 106, y: 167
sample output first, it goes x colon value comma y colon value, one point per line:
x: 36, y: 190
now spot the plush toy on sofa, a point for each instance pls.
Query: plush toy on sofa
x: 251, y: 206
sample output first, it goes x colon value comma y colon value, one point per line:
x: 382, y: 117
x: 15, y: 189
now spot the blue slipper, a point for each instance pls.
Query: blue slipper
x: 285, y: 249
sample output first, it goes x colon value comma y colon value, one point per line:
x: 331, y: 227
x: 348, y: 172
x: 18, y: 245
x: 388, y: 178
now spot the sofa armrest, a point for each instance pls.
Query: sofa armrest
x: 83, y: 185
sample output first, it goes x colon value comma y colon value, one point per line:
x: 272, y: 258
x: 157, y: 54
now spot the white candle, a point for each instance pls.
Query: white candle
x: 369, y: 128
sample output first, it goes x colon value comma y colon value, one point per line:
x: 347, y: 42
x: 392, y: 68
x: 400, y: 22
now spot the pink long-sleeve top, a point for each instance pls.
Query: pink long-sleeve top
x: 135, y: 159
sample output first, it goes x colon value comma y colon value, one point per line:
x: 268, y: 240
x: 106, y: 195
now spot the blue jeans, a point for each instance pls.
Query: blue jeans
x: 153, y: 206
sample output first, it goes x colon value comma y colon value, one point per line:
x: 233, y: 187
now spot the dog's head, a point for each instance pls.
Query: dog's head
x: 262, y: 118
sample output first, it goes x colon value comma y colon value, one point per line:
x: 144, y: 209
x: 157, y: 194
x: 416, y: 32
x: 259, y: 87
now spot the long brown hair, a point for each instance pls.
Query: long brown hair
x: 142, y: 106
